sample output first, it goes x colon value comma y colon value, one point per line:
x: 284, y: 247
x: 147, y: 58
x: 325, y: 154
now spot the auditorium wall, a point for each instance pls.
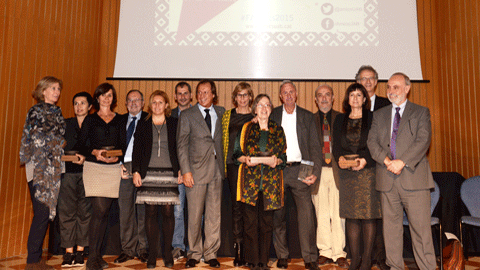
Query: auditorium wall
x: 76, y: 41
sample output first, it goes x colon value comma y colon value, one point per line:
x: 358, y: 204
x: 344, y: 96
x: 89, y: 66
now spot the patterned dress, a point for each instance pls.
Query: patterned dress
x: 358, y: 197
x: 41, y: 145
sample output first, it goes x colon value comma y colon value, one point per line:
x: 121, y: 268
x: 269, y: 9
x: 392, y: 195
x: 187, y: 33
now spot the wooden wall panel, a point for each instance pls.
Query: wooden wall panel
x: 459, y: 65
x: 38, y: 38
x: 76, y: 41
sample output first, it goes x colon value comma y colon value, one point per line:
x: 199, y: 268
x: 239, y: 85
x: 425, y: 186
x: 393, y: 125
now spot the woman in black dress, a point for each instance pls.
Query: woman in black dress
x: 359, y: 201
x: 232, y: 123
x: 156, y: 173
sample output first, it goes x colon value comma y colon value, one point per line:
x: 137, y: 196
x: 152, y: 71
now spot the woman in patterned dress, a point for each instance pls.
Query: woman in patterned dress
x: 260, y: 186
x: 359, y: 201
x: 41, y: 151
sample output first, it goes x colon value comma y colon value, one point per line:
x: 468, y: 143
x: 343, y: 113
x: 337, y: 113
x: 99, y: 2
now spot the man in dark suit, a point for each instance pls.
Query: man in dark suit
x: 325, y: 194
x: 368, y: 77
x: 302, y: 144
x: 130, y: 230
x: 398, y: 141
x: 200, y: 154
x: 183, y: 97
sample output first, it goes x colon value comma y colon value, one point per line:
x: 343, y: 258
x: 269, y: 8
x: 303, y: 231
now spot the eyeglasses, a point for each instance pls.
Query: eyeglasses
x: 242, y: 95
x: 266, y: 106
x: 134, y: 100
x: 364, y: 79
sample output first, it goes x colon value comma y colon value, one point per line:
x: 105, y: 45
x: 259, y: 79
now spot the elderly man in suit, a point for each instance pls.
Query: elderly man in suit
x: 325, y: 194
x: 200, y: 154
x: 398, y: 141
x: 302, y: 144
x: 132, y: 231
x: 368, y: 77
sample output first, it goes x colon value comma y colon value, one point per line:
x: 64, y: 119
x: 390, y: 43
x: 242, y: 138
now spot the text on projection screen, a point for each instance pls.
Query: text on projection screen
x: 266, y: 39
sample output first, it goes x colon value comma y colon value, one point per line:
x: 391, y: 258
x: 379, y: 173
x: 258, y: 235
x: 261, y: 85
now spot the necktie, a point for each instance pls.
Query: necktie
x: 208, y: 119
x: 327, y: 153
x: 131, y: 129
x: 393, y: 140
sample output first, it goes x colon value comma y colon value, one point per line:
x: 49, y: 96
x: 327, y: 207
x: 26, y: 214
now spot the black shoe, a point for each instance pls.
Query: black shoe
x: 93, y: 264
x: 143, y: 257
x: 123, y: 258
x: 151, y: 265
x: 213, y: 263
x: 79, y: 259
x: 68, y: 259
x: 239, y: 255
x: 103, y: 263
x: 311, y: 266
x: 382, y: 265
x: 191, y: 263
x: 168, y: 263
x: 282, y: 263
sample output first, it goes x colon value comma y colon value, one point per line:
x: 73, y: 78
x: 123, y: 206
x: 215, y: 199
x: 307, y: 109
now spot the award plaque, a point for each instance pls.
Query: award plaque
x: 70, y: 156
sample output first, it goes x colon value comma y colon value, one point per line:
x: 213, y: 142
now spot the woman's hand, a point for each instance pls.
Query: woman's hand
x: 137, y: 179
x: 361, y: 164
x: 341, y: 163
x: 246, y: 160
x: 274, y: 162
x: 80, y: 160
x: 98, y: 155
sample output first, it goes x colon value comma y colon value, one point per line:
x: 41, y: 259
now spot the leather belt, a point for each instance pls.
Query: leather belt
x: 291, y: 164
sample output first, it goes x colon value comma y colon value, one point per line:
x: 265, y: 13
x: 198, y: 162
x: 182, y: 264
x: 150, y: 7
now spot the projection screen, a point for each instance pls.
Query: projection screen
x: 266, y: 39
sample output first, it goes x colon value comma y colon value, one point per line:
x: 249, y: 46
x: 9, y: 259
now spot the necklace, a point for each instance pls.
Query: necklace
x: 158, y: 132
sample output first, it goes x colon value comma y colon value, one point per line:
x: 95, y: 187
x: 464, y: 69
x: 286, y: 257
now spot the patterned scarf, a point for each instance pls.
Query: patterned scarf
x: 42, y: 141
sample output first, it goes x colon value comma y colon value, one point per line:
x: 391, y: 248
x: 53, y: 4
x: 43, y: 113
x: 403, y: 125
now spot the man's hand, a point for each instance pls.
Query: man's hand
x: 188, y: 180
x: 396, y: 166
x: 310, y: 180
x: 124, y: 172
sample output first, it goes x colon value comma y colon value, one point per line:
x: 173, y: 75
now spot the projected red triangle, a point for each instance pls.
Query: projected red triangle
x: 196, y: 13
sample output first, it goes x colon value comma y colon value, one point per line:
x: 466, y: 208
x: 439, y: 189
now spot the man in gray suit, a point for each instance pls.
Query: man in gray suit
x: 302, y: 144
x: 398, y: 141
x: 200, y: 154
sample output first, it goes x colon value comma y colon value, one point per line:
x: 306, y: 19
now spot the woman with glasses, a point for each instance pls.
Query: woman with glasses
x: 260, y: 184
x: 232, y: 122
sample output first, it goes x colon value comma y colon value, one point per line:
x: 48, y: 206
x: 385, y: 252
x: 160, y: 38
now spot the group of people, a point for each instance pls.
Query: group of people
x: 364, y: 168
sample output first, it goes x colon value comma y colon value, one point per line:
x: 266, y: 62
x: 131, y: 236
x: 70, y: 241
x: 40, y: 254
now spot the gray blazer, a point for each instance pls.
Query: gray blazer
x: 413, y: 141
x: 307, y: 136
x: 195, y: 146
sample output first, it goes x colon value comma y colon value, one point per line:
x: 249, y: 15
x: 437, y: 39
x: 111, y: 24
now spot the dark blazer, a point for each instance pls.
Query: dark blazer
x: 318, y: 116
x: 307, y: 137
x: 340, y: 146
x: 174, y: 113
x: 413, y: 140
x: 197, y: 150
x: 142, y: 146
x: 380, y: 102
x: 124, y: 124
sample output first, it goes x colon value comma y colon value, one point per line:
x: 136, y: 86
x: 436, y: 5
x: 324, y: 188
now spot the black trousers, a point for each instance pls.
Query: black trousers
x: 38, y: 228
x: 237, y: 207
x: 74, y: 211
x: 258, y: 232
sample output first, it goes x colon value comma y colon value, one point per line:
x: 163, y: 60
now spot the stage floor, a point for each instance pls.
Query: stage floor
x: 18, y: 262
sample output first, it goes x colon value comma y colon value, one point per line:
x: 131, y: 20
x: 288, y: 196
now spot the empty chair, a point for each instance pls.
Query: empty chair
x: 469, y: 194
